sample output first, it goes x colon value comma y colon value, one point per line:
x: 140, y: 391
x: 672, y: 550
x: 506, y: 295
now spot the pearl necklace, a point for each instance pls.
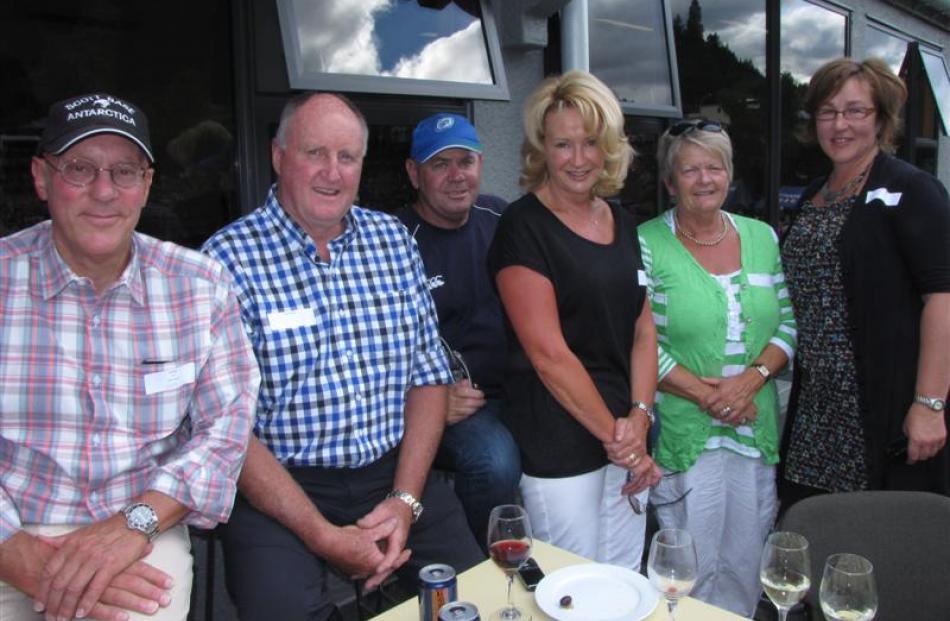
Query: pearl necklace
x: 714, y: 242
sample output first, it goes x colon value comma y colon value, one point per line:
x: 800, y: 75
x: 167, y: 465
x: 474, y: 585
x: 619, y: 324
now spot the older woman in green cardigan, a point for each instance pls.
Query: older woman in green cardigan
x: 725, y: 327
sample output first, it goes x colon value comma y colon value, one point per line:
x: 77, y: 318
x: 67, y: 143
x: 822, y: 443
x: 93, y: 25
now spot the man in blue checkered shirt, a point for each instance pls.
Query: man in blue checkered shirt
x: 353, y: 399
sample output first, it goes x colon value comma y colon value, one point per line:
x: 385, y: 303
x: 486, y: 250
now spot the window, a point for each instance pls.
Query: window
x: 630, y: 50
x: 812, y: 35
x: 446, y: 48
x: 720, y: 48
x: 51, y: 50
x: 885, y: 44
x: 938, y: 78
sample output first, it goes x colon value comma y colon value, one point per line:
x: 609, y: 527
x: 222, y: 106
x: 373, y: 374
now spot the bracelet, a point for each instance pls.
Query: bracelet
x: 640, y: 405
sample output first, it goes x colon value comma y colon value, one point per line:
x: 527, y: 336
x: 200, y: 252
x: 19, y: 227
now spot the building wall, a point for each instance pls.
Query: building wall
x: 499, y: 123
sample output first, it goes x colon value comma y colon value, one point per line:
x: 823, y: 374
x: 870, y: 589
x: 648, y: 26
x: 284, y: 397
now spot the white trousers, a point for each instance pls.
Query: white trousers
x: 587, y: 515
x: 171, y: 552
x: 729, y: 510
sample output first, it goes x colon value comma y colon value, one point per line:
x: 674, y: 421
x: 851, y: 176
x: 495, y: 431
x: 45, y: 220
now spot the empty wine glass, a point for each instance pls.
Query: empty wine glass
x: 784, y: 571
x: 847, y: 591
x: 672, y: 565
x: 509, y: 544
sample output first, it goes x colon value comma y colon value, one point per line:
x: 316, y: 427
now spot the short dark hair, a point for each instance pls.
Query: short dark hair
x: 887, y: 91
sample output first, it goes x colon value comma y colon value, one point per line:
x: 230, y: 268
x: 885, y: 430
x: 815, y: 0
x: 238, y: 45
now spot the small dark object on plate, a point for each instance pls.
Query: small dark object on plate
x: 566, y: 602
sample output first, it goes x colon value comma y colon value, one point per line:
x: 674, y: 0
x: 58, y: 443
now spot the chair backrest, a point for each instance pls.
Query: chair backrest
x: 906, y: 535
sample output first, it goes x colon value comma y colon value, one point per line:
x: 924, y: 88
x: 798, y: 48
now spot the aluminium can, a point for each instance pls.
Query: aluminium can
x: 437, y: 587
x: 459, y: 611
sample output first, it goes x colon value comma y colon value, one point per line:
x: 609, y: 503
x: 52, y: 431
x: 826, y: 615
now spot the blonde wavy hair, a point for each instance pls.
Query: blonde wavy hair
x: 603, y: 119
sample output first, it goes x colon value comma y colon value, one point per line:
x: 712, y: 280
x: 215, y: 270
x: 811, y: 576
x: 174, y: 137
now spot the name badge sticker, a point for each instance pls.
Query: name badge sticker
x: 171, y: 379
x: 890, y: 199
x: 642, y: 278
x: 288, y: 320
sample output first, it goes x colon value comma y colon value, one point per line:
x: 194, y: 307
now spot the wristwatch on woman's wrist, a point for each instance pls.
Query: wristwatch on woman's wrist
x: 934, y: 403
x: 762, y: 370
x: 646, y: 409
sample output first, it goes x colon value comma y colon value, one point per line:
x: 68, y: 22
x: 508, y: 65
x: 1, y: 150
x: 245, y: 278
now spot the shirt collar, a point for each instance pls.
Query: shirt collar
x: 352, y: 222
x: 54, y: 275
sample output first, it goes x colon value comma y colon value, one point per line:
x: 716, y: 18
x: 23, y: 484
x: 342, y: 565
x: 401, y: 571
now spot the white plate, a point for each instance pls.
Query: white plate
x: 598, y: 593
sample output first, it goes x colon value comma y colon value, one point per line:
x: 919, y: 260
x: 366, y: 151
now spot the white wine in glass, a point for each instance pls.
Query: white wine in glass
x: 848, y: 591
x: 784, y: 571
x: 672, y: 565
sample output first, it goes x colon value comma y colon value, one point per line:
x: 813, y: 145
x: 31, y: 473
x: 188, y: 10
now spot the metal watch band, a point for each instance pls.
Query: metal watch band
x: 414, y: 505
x: 141, y: 517
x: 934, y: 403
x: 640, y: 405
x: 763, y: 371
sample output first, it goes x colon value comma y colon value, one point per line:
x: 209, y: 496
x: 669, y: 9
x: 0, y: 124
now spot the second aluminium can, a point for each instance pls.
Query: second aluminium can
x: 437, y: 587
x: 459, y: 611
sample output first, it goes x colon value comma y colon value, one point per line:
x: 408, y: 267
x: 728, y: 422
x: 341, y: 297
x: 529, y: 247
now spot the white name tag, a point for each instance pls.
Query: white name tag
x: 641, y: 278
x: 890, y: 199
x: 161, y: 381
x: 288, y: 320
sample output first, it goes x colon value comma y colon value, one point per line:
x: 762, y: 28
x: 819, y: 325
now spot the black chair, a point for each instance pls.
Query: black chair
x: 906, y: 535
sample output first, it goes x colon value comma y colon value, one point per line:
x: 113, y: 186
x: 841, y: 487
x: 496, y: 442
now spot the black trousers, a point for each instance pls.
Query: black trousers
x: 271, y: 574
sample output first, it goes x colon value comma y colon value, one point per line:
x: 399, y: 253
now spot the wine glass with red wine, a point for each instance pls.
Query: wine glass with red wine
x: 509, y: 544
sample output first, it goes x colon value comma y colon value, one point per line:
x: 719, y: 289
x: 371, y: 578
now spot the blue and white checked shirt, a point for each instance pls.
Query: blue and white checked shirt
x: 338, y: 343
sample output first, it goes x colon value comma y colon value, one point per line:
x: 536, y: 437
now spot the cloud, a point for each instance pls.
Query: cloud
x: 347, y: 47
x: 460, y: 57
x: 811, y: 36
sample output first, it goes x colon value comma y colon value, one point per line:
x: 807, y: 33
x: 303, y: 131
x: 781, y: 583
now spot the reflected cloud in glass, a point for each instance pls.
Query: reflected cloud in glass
x: 884, y: 45
x: 392, y: 38
x: 628, y: 50
x: 811, y: 36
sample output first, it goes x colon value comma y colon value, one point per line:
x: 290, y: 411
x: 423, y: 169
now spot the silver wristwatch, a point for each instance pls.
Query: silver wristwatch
x: 646, y: 409
x: 762, y: 370
x: 141, y: 517
x: 933, y: 403
x: 414, y: 505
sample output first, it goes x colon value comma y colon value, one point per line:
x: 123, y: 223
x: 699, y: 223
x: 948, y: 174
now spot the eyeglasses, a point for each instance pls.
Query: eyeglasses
x: 638, y: 507
x: 854, y: 113
x: 456, y: 362
x: 81, y: 172
x: 684, y: 127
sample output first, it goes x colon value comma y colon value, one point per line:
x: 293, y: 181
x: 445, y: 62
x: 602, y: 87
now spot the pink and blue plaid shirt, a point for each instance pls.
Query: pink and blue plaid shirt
x: 150, y: 385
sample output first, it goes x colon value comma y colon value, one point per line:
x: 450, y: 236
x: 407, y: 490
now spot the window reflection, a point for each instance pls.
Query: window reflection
x: 720, y: 49
x: 50, y: 50
x: 629, y: 51
x: 811, y: 36
x: 394, y: 38
x: 886, y: 46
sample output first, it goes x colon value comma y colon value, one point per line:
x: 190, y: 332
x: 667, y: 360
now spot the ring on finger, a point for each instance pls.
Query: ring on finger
x: 633, y: 458
x: 726, y: 410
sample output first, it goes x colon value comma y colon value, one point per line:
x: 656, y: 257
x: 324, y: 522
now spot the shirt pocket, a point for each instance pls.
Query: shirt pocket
x: 151, y: 398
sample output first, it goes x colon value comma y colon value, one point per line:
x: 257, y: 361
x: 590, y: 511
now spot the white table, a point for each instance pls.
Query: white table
x: 484, y: 586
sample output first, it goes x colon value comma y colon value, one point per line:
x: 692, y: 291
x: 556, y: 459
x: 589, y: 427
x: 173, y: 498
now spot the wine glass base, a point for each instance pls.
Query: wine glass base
x: 509, y: 614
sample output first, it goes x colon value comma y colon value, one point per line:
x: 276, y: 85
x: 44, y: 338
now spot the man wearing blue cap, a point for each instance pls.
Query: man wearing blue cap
x: 454, y: 227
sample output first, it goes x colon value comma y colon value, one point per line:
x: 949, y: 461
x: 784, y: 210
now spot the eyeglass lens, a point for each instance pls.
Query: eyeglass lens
x: 82, y: 172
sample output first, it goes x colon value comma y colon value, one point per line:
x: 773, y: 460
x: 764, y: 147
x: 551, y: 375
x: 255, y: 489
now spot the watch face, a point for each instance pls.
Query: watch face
x: 142, y: 517
x: 939, y: 404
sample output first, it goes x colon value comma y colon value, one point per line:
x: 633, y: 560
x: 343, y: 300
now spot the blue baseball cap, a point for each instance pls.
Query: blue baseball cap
x: 440, y: 132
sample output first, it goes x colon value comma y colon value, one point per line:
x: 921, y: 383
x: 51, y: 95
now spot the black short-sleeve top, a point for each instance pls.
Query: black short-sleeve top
x: 599, y: 293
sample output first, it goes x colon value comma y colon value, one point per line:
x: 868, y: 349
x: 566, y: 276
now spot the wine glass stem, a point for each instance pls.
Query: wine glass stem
x: 782, y: 613
x: 671, y: 607
x: 511, y: 578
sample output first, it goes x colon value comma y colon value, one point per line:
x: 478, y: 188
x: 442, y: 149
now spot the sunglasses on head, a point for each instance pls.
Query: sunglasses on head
x: 684, y: 127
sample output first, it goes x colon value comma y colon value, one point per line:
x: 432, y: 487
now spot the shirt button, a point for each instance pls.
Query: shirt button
x: 348, y: 354
x: 96, y: 380
x: 93, y: 497
x: 95, y: 321
x: 358, y: 397
x: 96, y: 439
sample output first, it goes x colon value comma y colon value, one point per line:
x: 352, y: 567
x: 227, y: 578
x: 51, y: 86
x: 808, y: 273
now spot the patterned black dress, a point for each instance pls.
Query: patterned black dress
x: 826, y: 449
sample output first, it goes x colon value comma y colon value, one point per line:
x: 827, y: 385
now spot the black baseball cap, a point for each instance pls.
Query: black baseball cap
x: 77, y: 118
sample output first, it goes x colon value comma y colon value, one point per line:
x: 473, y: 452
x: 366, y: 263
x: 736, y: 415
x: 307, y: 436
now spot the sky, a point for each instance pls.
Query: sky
x: 391, y: 37
x: 811, y: 35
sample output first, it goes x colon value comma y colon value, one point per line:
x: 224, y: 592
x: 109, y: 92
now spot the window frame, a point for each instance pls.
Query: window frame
x: 301, y: 78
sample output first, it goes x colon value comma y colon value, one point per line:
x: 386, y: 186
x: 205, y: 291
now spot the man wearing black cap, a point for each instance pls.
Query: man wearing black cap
x: 127, y: 385
x: 454, y: 227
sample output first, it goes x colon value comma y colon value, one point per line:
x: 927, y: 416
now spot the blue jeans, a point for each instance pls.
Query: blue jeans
x: 486, y: 463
